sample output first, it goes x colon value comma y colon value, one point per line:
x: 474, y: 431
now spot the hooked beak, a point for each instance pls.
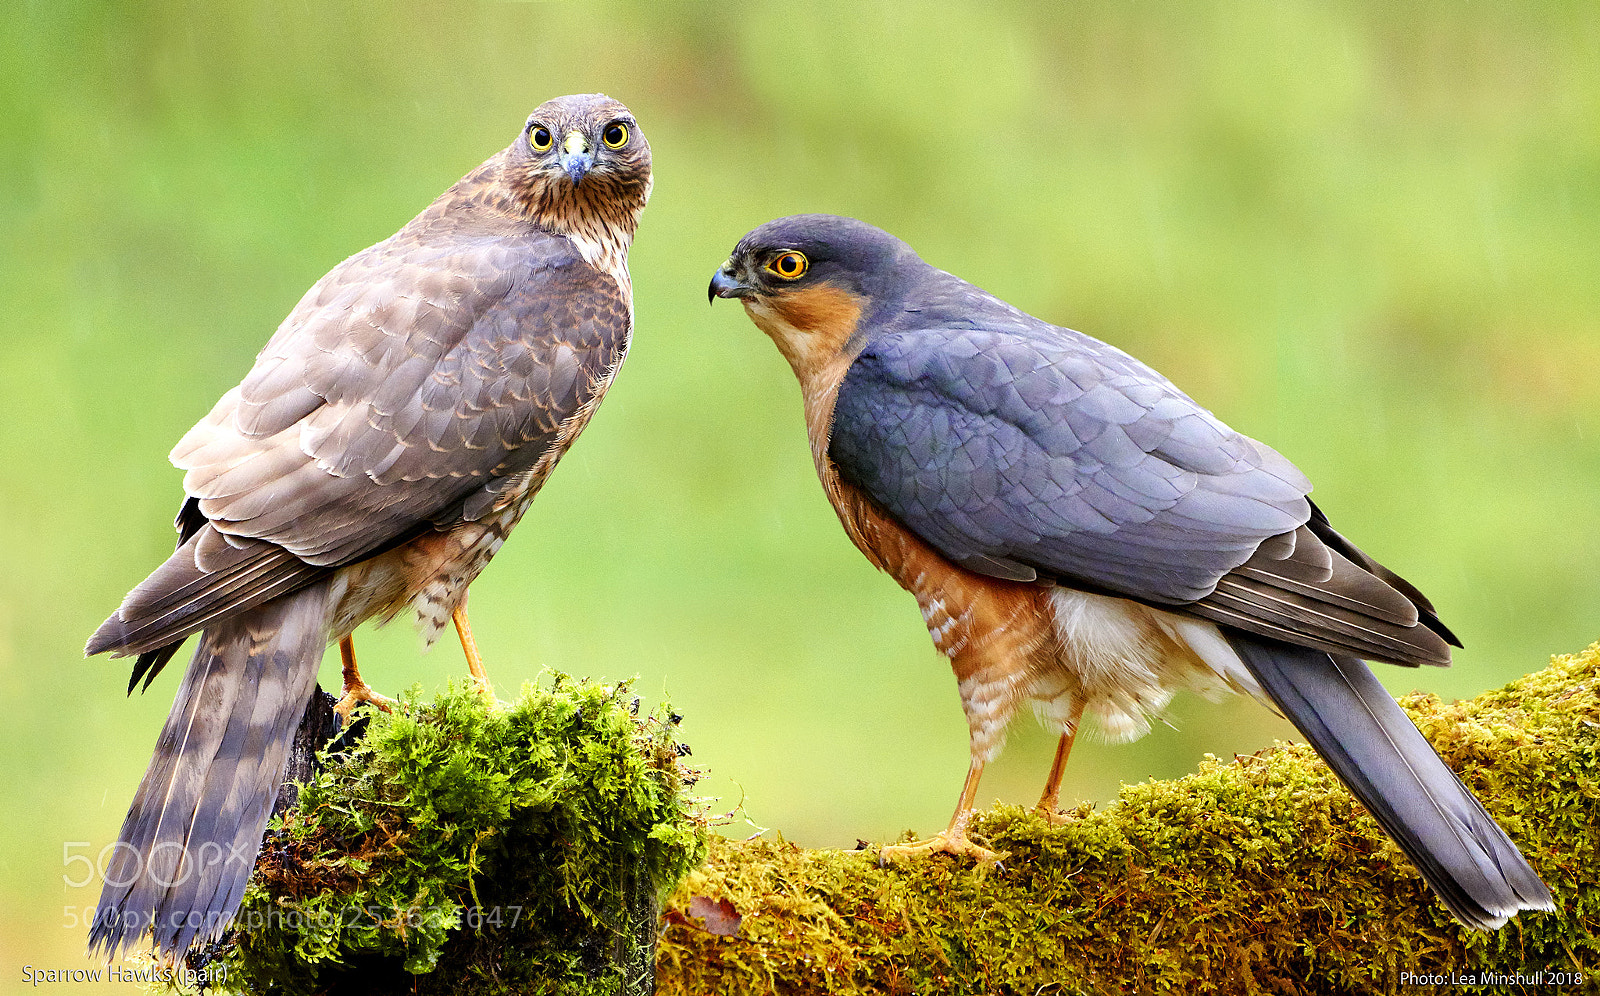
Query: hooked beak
x: 576, y: 158
x: 725, y: 284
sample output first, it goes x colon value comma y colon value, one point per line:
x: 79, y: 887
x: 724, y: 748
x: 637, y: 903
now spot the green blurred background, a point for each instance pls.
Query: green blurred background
x: 1366, y: 233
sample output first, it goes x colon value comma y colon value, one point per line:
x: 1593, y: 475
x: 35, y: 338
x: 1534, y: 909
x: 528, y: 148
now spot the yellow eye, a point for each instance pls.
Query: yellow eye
x: 539, y: 137
x: 791, y: 265
x: 615, y: 135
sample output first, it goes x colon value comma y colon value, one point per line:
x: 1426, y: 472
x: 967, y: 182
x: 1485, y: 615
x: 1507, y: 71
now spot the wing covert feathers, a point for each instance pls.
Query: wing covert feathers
x: 1033, y: 451
x: 411, y: 379
x: 191, y: 836
x: 1374, y: 748
x: 398, y: 396
x: 1021, y: 450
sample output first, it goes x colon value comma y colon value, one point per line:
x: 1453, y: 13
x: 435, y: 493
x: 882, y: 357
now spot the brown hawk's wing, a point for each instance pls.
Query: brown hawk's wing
x: 408, y: 389
x: 1020, y: 449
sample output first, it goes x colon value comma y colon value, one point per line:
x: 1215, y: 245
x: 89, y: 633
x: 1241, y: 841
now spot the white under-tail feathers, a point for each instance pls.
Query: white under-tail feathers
x: 191, y: 836
x: 1131, y: 658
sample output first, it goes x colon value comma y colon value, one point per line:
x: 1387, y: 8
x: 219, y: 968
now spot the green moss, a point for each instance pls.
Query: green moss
x: 1258, y: 875
x: 466, y: 847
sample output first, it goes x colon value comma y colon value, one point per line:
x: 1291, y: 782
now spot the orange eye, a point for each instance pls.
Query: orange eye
x: 539, y: 137
x: 791, y: 265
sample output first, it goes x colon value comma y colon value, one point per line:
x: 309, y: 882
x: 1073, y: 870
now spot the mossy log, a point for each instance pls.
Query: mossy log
x: 465, y: 846
x: 1256, y: 875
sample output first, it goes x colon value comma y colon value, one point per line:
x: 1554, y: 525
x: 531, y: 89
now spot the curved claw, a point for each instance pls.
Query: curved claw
x: 356, y: 694
x: 355, y: 691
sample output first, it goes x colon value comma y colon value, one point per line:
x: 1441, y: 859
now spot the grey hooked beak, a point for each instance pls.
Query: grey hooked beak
x: 725, y: 284
x: 576, y: 157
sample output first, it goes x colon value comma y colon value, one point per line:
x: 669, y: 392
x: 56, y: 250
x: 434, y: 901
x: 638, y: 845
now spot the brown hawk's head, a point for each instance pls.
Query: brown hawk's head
x: 581, y: 167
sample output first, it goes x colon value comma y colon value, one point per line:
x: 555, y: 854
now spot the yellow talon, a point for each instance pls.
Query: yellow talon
x: 356, y: 691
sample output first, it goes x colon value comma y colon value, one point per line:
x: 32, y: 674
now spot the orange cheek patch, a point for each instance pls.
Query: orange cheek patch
x: 823, y: 310
x: 810, y: 327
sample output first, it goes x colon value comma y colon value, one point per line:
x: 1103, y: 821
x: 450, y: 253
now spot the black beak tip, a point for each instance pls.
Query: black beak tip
x: 723, y: 284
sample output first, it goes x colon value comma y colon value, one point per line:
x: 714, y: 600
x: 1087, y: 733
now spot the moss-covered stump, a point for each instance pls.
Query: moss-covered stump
x: 462, y: 846
x: 1256, y: 876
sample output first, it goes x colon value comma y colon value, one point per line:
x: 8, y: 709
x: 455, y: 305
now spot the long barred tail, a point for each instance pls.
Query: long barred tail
x: 1380, y: 755
x: 195, y: 825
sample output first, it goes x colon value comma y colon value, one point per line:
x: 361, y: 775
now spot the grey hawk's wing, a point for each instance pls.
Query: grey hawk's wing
x: 1019, y: 449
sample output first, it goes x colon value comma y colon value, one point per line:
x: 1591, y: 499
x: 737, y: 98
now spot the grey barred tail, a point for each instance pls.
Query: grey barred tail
x: 1380, y: 755
x: 191, y: 836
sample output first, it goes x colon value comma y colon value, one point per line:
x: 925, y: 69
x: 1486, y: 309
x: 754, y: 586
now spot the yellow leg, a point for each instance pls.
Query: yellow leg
x: 953, y: 839
x: 355, y: 691
x: 1049, y: 802
x: 469, y: 646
